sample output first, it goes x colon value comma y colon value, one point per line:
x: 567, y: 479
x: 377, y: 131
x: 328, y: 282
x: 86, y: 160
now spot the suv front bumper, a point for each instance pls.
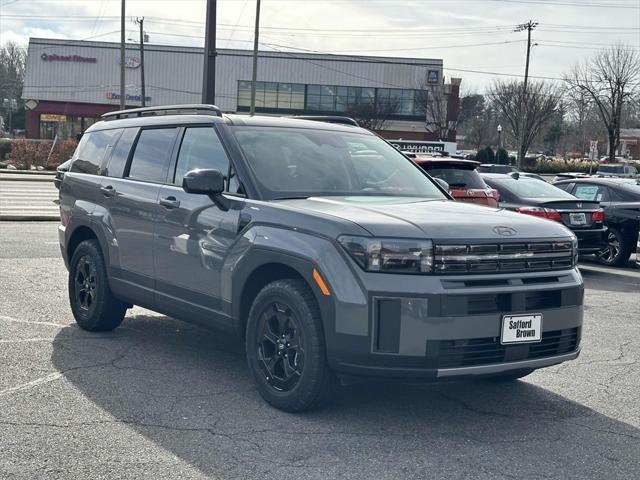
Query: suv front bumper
x: 435, y: 327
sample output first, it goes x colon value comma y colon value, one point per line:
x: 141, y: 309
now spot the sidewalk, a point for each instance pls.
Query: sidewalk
x: 28, y: 197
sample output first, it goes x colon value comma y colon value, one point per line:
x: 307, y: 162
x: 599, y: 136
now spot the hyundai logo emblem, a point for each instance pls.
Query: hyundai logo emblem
x: 504, y: 231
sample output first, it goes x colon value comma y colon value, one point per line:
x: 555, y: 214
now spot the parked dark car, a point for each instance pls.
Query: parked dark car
x: 60, y: 171
x: 496, y: 168
x: 320, y: 244
x: 541, y: 199
x: 622, y: 170
x: 465, y: 184
x: 620, y: 199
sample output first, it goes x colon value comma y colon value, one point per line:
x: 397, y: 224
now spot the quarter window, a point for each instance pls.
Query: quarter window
x: 152, y: 154
x: 91, y: 150
x: 201, y: 148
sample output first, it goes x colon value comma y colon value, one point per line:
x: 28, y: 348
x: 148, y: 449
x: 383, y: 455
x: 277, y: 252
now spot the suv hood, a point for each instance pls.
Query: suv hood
x: 437, y: 219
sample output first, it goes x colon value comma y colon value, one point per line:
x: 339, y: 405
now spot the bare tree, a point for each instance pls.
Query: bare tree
x: 12, y: 66
x: 373, y: 115
x: 525, y: 113
x: 433, y: 100
x: 611, y: 80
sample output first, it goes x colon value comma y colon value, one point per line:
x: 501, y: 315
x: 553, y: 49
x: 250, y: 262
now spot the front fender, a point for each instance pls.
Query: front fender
x: 302, y: 251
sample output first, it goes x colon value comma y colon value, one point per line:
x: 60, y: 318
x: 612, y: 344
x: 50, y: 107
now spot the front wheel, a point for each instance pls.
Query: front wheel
x: 285, y: 347
x: 617, y: 251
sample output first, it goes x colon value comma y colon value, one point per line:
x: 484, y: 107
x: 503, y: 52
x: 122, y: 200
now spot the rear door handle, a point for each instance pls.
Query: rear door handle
x: 169, y: 202
x: 108, y: 191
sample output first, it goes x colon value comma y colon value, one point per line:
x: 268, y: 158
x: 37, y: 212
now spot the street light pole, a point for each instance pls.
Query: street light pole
x: 122, y: 91
x: 499, y: 137
x: 209, y: 70
x: 252, y: 107
x: 143, y: 101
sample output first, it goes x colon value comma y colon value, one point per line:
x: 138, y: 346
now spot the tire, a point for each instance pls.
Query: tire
x: 290, y: 371
x: 93, y: 305
x: 510, y: 375
x: 618, y: 251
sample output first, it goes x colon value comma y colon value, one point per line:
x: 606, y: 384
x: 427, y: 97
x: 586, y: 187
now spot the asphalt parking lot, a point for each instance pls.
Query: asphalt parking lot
x: 158, y: 398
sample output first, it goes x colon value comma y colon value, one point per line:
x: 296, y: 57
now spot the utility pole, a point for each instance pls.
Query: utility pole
x: 252, y: 108
x: 140, y: 21
x: 209, y: 70
x: 122, y: 91
x: 529, y: 26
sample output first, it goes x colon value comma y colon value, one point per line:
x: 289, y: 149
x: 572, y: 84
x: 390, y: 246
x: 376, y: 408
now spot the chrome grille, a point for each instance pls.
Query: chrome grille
x: 506, y: 257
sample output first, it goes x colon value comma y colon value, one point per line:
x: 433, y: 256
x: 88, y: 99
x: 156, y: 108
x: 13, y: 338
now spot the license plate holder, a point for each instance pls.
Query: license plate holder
x: 524, y: 328
x: 577, y: 219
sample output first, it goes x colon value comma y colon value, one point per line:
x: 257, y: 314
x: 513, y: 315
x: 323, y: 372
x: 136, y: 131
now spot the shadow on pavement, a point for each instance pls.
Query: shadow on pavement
x: 610, y: 282
x: 189, y: 392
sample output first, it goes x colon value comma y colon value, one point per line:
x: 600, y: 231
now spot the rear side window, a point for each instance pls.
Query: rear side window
x: 457, y: 177
x: 120, y: 153
x: 152, y: 154
x: 92, y: 149
x: 567, y: 187
x: 200, y: 148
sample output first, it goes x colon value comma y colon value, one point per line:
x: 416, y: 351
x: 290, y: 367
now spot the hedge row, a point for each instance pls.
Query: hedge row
x: 27, y: 153
x: 561, y: 166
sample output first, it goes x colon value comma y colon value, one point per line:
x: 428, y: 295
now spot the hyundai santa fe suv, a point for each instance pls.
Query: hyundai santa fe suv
x: 325, y: 248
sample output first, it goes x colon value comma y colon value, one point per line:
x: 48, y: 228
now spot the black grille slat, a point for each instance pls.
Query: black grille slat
x: 507, y: 257
x: 485, y: 351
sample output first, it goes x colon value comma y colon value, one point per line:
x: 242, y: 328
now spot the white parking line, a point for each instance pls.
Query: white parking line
x: 33, y: 383
x: 31, y: 322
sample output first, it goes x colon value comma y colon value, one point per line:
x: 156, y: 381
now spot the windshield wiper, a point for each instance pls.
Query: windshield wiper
x: 294, y: 197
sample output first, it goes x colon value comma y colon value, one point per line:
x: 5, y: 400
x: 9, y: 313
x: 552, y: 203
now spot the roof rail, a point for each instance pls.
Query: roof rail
x: 328, y: 119
x: 189, y: 109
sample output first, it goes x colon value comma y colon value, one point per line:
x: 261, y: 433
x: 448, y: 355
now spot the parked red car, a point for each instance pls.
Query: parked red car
x: 465, y: 183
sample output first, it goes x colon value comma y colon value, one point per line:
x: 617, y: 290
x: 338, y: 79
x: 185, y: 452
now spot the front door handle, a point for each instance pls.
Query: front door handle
x: 108, y: 191
x: 169, y: 202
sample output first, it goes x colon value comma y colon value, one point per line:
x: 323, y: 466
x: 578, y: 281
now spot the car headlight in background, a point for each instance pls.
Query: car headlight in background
x: 390, y: 255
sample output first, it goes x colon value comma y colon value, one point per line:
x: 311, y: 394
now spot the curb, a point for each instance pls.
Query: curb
x: 29, y: 218
x: 20, y: 178
x: 27, y: 172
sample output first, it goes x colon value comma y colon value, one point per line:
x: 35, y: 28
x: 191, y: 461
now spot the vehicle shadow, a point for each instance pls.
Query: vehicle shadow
x: 611, y: 282
x: 189, y: 391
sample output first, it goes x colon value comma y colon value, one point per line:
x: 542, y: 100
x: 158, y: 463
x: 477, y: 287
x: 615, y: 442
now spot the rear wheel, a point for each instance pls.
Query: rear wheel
x: 92, y: 303
x: 617, y: 251
x: 285, y: 347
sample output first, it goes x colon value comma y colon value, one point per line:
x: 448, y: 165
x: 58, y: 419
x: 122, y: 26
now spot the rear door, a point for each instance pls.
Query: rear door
x: 131, y: 196
x: 193, y: 234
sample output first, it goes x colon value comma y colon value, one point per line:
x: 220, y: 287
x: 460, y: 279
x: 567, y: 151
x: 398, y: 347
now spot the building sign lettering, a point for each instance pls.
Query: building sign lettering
x: 128, y: 97
x: 53, y: 57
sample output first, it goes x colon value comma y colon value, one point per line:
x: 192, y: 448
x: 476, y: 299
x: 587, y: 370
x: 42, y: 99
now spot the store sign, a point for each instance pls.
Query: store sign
x: 52, y: 57
x: 432, y: 76
x: 131, y: 62
x: 50, y: 117
x: 418, y: 146
x: 128, y: 97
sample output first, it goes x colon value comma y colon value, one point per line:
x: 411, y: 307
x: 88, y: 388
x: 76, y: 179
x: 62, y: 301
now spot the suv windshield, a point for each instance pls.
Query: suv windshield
x: 295, y: 162
x: 456, y: 176
x: 532, y: 188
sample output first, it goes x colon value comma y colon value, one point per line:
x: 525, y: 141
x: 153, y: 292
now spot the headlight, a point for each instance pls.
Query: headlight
x: 390, y: 255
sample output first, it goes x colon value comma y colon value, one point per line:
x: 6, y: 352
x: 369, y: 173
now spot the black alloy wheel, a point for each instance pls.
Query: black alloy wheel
x: 86, y: 285
x: 285, y: 347
x: 93, y: 305
x: 280, y: 347
x: 617, y: 251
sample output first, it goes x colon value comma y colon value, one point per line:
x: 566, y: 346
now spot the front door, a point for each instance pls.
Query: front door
x: 193, y: 236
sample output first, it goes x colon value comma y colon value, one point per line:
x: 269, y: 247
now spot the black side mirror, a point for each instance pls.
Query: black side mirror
x: 442, y: 184
x: 206, y: 182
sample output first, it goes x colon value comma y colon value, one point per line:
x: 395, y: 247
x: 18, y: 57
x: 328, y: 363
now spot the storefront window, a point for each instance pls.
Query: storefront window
x: 323, y: 98
x: 64, y: 126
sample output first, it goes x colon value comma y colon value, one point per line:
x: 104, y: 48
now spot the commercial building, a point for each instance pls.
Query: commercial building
x: 69, y: 84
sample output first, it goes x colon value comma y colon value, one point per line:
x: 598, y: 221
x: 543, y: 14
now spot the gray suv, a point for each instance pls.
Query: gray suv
x: 322, y: 245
